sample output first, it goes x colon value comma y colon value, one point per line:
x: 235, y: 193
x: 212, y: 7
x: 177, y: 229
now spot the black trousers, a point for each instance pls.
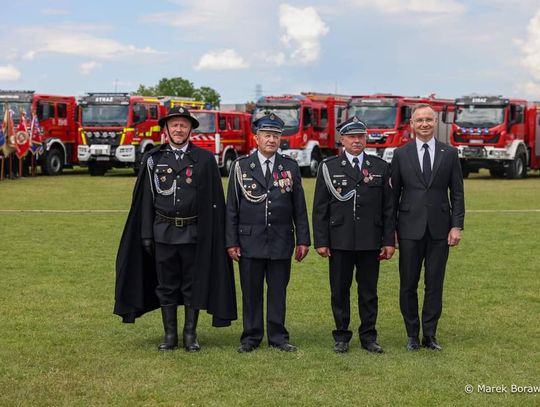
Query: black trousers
x: 412, y: 253
x: 252, y: 276
x: 175, y: 267
x: 342, y: 263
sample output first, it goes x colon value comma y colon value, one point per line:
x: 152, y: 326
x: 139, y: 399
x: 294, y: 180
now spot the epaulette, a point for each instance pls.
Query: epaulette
x: 330, y: 158
x: 242, y: 157
x: 288, y: 156
x: 371, y: 156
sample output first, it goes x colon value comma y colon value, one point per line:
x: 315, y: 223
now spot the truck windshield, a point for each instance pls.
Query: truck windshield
x: 476, y: 116
x: 290, y: 116
x: 104, y: 115
x: 375, y: 117
x: 207, y: 123
x: 15, y: 107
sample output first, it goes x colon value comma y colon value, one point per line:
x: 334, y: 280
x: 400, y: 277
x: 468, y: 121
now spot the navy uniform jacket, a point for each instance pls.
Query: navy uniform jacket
x: 266, y: 230
x: 366, y: 220
x: 172, y: 191
x: 420, y: 205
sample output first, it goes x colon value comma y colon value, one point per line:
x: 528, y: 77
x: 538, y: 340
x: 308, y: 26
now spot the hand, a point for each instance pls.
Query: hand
x: 454, y: 236
x: 234, y: 253
x: 301, y: 252
x: 386, y: 252
x: 323, y: 251
x: 148, y: 246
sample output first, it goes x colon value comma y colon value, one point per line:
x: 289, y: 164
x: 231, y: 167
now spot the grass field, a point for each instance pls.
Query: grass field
x: 60, y: 344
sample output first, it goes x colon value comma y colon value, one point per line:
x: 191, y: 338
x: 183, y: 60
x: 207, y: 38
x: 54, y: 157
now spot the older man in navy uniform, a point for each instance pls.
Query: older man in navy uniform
x: 173, y: 251
x: 353, y: 225
x: 265, y: 209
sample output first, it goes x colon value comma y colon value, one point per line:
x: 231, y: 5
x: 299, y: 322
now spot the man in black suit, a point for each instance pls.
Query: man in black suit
x: 428, y: 193
x: 265, y: 209
x: 172, y: 250
x: 353, y: 225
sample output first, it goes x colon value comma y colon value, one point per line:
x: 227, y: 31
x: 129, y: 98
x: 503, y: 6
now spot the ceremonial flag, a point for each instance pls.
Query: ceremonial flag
x: 22, y: 139
x: 36, y: 142
x: 7, y: 130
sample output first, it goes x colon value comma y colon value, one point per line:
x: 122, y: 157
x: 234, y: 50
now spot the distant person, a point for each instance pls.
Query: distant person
x: 428, y: 193
x: 172, y: 250
x: 266, y: 219
x: 353, y: 226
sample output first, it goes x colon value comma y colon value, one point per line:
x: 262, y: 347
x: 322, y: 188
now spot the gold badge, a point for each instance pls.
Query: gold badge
x: 188, y: 180
x: 163, y: 178
x: 338, y: 190
x: 366, y: 180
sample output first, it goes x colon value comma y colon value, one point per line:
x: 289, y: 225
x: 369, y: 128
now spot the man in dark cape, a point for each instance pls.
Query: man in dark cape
x: 212, y: 287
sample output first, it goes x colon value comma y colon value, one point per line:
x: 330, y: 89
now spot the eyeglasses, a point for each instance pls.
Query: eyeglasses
x: 428, y: 120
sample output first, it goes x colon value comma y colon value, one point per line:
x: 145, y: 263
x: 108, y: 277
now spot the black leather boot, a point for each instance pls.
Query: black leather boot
x: 190, y: 330
x: 170, y: 324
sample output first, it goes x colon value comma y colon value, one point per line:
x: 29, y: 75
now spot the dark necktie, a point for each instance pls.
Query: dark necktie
x: 268, y: 175
x: 356, y: 166
x: 426, y: 164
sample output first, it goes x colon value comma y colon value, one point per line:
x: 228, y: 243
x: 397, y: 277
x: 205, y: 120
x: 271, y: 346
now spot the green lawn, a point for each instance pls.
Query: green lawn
x: 60, y: 344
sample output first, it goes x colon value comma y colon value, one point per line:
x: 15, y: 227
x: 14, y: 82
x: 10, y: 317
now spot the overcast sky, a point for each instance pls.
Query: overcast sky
x: 408, y: 47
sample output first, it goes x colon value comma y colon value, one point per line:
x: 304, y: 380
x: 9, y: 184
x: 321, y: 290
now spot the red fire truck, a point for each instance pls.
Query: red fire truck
x: 310, y: 125
x: 388, y: 120
x: 57, y: 117
x: 116, y: 129
x: 226, y: 134
x: 500, y: 134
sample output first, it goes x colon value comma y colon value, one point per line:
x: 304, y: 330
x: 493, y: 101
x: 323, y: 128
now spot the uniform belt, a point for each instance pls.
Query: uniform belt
x: 178, y: 222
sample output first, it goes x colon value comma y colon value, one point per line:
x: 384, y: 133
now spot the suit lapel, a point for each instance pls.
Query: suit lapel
x: 439, y: 152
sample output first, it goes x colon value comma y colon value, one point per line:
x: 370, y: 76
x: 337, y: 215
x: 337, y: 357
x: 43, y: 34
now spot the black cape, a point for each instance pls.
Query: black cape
x: 213, y: 286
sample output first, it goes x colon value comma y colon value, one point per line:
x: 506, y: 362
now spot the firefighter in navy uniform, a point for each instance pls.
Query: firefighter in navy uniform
x: 353, y: 226
x: 266, y: 210
x: 173, y: 249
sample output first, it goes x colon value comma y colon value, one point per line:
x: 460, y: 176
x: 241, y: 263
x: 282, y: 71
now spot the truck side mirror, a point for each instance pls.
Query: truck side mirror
x: 405, y: 115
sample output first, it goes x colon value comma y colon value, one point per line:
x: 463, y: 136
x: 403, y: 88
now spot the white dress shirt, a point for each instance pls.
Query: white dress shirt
x: 421, y: 150
x: 350, y: 157
x: 262, y: 160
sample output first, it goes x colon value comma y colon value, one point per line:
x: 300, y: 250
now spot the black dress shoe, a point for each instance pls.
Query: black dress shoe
x: 341, y: 347
x: 413, y: 344
x: 373, y: 347
x: 285, y: 347
x: 246, y: 347
x: 430, y: 342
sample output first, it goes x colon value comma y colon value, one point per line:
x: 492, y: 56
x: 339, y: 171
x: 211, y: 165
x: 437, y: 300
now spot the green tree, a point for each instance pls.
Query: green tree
x: 208, y: 95
x: 180, y: 87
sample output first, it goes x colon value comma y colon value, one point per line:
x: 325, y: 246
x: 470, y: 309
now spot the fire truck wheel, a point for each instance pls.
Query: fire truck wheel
x: 227, y: 163
x: 96, y: 170
x: 518, y: 167
x: 311, y: 171
x: 53, y: 162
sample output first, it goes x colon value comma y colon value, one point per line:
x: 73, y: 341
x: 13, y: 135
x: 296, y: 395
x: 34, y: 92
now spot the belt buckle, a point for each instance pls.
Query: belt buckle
x: 179, y: 222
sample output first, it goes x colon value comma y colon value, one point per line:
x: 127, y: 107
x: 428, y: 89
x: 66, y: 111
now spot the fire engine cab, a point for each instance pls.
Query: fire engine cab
x: 310, y: 120
x: 497, y: 133
x: 116, y: 129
